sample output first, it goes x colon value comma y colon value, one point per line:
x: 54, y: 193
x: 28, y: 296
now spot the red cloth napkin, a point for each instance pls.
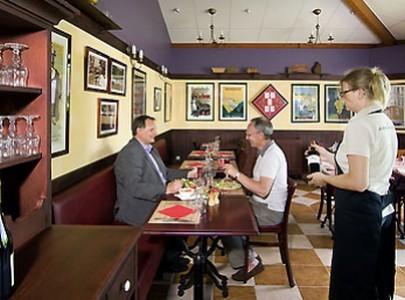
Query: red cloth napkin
x: 196, y: 164
x: 177, y: 211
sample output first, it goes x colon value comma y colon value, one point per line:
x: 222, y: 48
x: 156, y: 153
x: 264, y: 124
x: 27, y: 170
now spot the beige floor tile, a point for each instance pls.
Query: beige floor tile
x: 269, y: 255
x: 321, y: 241
x: 298, y: 241
x: 314, y: 293
x: 237, y: 293
x: 313, y: 196
x: 304, y: 257
x: 266, y: 292
x: 311, y: 275
x: 325, y: 255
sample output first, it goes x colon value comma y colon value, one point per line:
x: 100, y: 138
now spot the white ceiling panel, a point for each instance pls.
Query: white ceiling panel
x: 275, y: 21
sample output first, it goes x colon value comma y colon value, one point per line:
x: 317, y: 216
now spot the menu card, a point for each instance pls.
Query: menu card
x: 175, y: 212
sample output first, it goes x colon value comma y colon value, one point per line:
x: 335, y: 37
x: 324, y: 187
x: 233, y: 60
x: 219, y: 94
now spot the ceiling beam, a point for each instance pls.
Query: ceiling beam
x: 365, y: 14
x: 273, y: 45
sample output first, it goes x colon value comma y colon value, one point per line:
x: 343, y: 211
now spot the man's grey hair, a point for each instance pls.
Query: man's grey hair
x: 263, y: 125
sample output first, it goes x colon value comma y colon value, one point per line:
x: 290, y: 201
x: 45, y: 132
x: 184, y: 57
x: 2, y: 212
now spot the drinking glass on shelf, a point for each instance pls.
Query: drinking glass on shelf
x: 32, y: 139
x: 17, y: 72
x: 3, y: 68
x: 3, y: 140
x: 11, y: 146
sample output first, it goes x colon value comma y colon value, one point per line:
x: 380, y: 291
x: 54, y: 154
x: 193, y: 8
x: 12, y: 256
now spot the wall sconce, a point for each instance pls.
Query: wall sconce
x: 136, y: 56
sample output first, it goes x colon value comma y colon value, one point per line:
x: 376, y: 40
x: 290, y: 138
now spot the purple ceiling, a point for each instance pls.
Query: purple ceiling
x: 143, y: 25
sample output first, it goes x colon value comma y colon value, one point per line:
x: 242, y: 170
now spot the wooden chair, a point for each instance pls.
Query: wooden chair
x: 281, y: 231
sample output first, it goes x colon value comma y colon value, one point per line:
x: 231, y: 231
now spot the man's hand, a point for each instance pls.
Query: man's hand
x: 193, y: 173
x: 230, y: 170
x: 173, y: 186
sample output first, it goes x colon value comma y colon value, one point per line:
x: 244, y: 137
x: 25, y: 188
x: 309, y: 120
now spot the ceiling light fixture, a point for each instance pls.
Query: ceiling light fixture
x: 213, y: 39
x: 316, y: 39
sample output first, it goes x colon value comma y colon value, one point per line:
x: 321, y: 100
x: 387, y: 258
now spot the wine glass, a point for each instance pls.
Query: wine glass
x: 17, y: 72
x: 3, y: 69
x: 32, y: 139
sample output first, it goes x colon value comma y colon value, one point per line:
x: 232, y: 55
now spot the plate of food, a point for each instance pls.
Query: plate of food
x: 186, y: 194
x: 227, y: 185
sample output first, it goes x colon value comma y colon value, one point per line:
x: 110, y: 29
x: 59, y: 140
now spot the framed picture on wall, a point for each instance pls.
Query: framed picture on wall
x: 199, y: 101
x: 157, y: 99
x: 304, y: 103
x: 118, y: 76
x: 107, y: 117
x: 335, y: 108
x: 269, y: 102
x: 96, y: 70
x: 138, y: 93
x: 395, y: 105
x: 232, y: 101
x: 60, y: 92
x: 168, y: 102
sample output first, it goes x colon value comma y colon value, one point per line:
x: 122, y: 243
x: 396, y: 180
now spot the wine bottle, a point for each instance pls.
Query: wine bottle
x: 6, y: 259
x: 314, y: 160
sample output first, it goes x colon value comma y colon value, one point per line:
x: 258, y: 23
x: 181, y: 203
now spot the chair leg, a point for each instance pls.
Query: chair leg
x: 321, y: 204
x: 284, y: 249
x: 400, y: 205
x: 282, y: 254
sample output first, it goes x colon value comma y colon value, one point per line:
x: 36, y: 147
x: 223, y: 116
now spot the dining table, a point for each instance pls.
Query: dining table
x: 233, y: 216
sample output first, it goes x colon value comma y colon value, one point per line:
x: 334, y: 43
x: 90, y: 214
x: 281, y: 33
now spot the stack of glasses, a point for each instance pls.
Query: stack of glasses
x: 14, y: 73
x: 18, y: 144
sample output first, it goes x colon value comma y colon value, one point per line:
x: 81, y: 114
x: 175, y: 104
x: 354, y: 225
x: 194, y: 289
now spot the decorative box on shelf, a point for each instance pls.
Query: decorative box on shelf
x: 218, y: 70
x: 298, y: 68
x: 252, y: 70
x: 232, y: 70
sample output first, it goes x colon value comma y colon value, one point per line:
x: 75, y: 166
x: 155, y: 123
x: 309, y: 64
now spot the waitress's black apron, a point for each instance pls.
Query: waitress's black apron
x: 363, y: 262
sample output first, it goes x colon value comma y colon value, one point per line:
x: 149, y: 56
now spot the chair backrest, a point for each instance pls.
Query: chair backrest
x: 291, y: 186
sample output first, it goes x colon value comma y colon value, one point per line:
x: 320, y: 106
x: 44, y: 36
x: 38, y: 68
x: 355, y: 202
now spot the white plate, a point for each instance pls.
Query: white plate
x: 183, y: 197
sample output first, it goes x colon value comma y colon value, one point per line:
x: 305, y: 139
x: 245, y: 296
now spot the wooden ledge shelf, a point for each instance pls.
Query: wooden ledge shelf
x: 12, y: 90
x: 7, y: 163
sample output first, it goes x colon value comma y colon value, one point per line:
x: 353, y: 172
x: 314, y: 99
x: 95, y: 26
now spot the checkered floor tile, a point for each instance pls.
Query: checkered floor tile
x: 310, y: 255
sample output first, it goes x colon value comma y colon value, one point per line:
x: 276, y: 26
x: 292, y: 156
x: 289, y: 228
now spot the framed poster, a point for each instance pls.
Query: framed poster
x: 199, y: 101
x: 60, y: 92
x: 138, y: 93
x: 96, y: 70
x: 304, y: 103
x: 395, y: 105
x: 118, y: 77
x: 107, y: 117
x: 168, y: 102
x: 232, y: 101
x: 335, y: 108
x: 269, y: 102
x: 157, y: 99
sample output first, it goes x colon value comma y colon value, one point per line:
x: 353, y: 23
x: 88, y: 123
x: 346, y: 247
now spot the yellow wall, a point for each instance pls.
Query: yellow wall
x: 84, y: 146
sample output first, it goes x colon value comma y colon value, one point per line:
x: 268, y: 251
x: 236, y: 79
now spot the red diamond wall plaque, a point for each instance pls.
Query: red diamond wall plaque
x: 270, y: 102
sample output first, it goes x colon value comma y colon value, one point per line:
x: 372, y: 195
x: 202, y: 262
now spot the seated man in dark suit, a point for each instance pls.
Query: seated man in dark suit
x: 142, y: 178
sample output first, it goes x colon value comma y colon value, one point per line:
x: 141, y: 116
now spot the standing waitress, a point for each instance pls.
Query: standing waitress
x: 363, y: 262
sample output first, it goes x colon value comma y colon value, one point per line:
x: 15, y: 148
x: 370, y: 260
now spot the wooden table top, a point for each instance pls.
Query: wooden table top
x: 233, y: 216
x: 72, y: 261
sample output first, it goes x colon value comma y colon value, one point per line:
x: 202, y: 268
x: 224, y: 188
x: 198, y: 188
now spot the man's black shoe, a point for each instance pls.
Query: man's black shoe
x: 241, y: 275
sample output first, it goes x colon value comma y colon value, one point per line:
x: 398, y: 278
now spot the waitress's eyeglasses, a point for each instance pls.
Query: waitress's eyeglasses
x: 342, y: 93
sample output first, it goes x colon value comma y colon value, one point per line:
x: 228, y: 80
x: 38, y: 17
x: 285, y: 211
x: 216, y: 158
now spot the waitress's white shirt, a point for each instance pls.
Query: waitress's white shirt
x: 372, y: 136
